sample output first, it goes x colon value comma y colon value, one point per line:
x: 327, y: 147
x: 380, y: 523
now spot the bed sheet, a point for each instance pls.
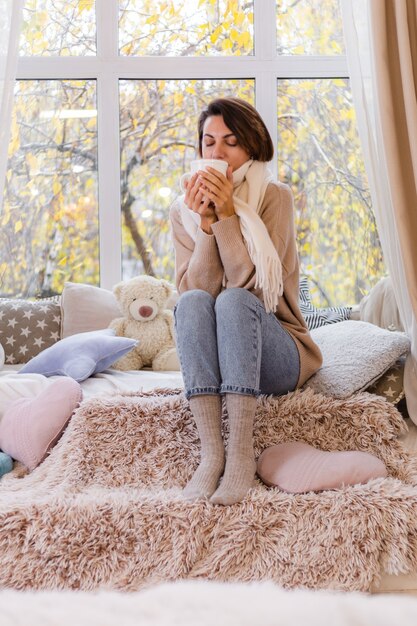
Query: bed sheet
x: 14, y: 385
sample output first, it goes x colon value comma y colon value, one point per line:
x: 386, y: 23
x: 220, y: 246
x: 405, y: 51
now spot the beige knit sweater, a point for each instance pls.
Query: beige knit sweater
x: 203, y: 263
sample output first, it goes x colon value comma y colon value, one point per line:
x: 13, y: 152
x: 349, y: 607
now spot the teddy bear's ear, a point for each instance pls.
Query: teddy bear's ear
x: 167, y: 287
x: 117, y: 289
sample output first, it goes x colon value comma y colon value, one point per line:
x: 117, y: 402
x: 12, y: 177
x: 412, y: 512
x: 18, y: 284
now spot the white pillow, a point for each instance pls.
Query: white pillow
x: 355, y: 355
x: 85, y: 308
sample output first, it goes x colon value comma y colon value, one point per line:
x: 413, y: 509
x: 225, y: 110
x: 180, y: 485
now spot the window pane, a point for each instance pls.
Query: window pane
x: 309, y: 27
x: 158, y: 140
x: 192, y: 28
x: 319, y: 156
x: 58, y: 28
x: 49, y: 224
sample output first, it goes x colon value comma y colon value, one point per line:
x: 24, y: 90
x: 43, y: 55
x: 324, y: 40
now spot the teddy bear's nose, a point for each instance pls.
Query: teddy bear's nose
x: 145, y: 311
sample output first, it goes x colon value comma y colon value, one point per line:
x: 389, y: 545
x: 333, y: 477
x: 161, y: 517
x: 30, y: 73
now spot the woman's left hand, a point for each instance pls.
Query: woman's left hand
x: 219, y: 189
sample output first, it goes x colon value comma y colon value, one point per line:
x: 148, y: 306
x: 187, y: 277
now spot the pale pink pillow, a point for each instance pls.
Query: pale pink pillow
x: 85, y: 308
x: 31, y: 426
x: 297, y: 467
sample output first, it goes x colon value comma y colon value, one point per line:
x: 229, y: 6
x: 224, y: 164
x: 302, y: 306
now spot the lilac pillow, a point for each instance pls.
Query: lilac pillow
x: 81, y: 355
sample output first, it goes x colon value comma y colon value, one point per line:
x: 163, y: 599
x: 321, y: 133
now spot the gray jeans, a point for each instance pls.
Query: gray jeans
x: 232, y: 345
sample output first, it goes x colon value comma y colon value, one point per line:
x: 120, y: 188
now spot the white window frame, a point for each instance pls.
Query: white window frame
x: 107, y: 68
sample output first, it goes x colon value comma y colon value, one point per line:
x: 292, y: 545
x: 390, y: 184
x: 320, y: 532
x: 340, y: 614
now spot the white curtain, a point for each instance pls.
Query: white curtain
x: 361, y: 62
x: 10, y: 22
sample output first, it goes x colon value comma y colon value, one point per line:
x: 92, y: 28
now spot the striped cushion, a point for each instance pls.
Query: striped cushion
x: 315, y: 317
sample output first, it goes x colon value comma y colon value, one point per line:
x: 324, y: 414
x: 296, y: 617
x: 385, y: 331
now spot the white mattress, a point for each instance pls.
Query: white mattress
x: 14, y: 385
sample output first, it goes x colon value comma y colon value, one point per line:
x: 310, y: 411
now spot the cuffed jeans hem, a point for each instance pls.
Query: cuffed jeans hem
x: 198, y: 391
x: 247, y: 391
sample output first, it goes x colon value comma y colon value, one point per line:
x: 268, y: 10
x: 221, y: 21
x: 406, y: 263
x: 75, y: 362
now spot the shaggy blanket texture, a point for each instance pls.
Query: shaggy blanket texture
x: 105, y: 510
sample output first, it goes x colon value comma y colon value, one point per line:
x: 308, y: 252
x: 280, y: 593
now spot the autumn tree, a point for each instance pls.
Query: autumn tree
x: 49, y: 225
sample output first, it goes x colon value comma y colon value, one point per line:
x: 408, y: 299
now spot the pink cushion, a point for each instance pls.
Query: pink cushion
x: 31, y: 426
x: 297, y: 467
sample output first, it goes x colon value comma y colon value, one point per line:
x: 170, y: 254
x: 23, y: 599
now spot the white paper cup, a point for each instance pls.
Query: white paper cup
x: 202, y: 164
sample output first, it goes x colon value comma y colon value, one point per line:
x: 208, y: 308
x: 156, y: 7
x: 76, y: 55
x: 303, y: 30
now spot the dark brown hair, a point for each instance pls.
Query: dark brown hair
x: 245, y: 123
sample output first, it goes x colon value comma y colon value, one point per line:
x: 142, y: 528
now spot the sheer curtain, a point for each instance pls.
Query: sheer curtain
x: 10, y: 22
x: 381, y: 46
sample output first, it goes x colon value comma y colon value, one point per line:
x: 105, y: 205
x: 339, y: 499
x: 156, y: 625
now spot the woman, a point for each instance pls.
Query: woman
x: 239, y: 328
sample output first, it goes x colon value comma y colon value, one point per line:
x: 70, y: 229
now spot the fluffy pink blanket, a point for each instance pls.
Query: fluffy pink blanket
x: 105, y: 509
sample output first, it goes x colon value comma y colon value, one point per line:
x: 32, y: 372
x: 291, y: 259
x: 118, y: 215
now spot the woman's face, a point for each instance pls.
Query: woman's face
x: 220, y: 143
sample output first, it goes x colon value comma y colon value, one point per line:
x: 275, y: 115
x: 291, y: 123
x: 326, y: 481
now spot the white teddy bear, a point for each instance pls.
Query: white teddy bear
x: 142, y: 301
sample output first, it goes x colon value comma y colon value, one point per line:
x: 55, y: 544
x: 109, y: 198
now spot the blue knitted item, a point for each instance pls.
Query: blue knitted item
x: 6, y: 463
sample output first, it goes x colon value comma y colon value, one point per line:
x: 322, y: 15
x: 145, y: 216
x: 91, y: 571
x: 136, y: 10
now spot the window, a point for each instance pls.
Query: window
x: 107, y: 99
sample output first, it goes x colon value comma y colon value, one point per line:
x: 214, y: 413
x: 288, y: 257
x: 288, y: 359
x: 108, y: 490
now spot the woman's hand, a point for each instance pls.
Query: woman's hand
x: 197, y: 200
x: 219, y: 190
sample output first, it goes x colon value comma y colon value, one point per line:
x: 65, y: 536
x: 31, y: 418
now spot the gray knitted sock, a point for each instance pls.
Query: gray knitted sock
x: 240, y: 462
x: 207, y: 412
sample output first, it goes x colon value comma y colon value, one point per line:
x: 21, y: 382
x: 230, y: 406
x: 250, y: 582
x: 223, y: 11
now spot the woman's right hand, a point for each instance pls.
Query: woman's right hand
x: 196, y: 201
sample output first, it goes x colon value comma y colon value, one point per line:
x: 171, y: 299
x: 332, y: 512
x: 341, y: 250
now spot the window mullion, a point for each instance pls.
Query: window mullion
x: 109, y: 179
x: 108, y: 143
x: 265, y: 77
x: 107, y: 15
x: 265, y: 29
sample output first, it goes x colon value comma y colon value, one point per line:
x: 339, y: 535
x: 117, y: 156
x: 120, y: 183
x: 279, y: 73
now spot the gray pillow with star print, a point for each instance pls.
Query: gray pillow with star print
x: 27, y: 327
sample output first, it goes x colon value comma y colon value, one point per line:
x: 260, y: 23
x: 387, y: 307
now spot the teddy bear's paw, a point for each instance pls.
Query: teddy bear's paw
x: 128, y: 362
x: 167, y: 360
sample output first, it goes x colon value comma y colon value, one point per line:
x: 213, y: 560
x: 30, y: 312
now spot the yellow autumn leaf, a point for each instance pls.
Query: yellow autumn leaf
x: 127, y: 49
x: 5, y: 219
x: 227, y: 44
x: 41, y: 18
x: 18, y: 226
x: 215, y: 34
x: 238, y: 18
x: 33, y: 164
x: 85, y: 5
x: 14, y: 144
x: 234, y: 35
x: 178, y: 99
x: 56, y: 187
x: 244, y: 39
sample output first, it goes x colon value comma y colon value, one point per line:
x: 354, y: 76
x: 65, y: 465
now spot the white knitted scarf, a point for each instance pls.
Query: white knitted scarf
x: 250, y: 182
